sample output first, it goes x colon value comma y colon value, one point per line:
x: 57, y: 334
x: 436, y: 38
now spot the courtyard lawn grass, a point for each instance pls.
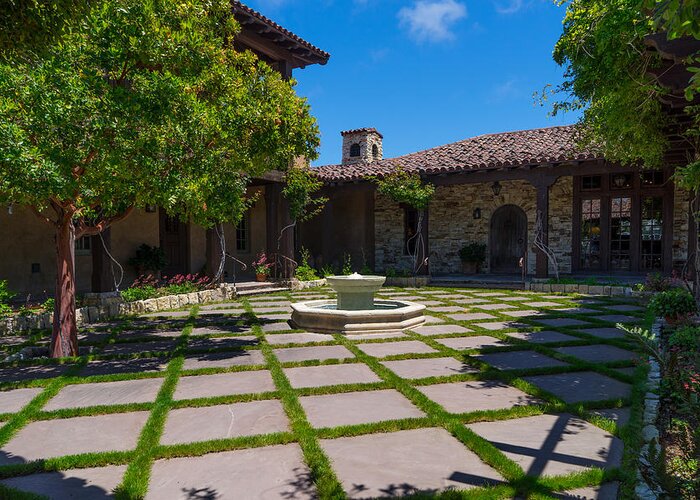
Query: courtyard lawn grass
x: 135, y: 482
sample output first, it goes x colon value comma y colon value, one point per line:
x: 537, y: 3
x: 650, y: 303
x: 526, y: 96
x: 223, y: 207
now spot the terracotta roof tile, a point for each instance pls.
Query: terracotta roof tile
x: 508, y: 149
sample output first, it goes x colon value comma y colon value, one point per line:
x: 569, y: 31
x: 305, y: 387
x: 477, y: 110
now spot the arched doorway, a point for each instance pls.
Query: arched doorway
x: 508, y: 238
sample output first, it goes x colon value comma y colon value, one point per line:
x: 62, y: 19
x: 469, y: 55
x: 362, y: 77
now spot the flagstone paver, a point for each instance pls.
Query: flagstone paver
x: 223, y: 384
x: 470, y: 316
x: 94, y: 483
x: 186, y: 425
x: 139, y: 347
x: 275, y: 327
x: 559, y: 322
x: 475, y: 342
x: 106, y: 393
x: 541, y: 304
x: 314, y: 352
x: 69, y: 436
x: 523, y: 313
x: 405, y: 462
x: 494, y: 307
x: 624, y: 308
x: 429, y: 320
x: 598, y: 353
x: 318, y: 376
x: 542, y: 337
x: 501, y: 325
x: 374, y: 336
x: 13, y: 401
x: 581, y: 386
x: 352, y: 408
x: 440, y: 330
x: 553, y: 444
x: 429, y: 367
x: 445, y: 309
x: 604, y: 333
x: 607, y: 491
x: 269, y: 472
x: 202, y: 343
x: 298, y: 338
x: 619, y: 318
x: 620, y: 416
x: 462, y: 397
x: 124, y: 366
x: 223, y: 359
x: 383, y: 349
x: 519, y: 360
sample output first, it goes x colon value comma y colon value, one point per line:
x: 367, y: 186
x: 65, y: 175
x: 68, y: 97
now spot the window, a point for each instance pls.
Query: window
x: 410, y: 228
x: 620, y: 233
x: 355, y: 150
x: 243, y: 234
x: 591, y: 182
x: 652, y: 232
x: 375, y: 151
x: 590, y: 234
x: 83, y: 246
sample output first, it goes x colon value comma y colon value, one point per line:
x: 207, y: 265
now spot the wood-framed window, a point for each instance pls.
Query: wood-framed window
x: 243, y: 234
x: 355, y: 150
x: 83, y: 246
x: 623, y: 221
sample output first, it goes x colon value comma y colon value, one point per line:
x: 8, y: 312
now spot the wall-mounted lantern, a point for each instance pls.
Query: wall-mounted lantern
x: 476, y: 214
x: 151, y: 209
x: 496, y: 188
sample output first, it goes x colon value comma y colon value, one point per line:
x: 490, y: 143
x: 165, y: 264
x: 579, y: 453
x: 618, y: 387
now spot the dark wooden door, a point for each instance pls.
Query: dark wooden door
x: 173, y: 241
x: 508, y: 240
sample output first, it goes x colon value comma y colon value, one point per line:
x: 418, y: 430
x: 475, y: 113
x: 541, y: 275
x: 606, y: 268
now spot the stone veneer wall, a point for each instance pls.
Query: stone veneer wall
x: 366, y: 140
x: 451, y: 224
x: 561, y: 216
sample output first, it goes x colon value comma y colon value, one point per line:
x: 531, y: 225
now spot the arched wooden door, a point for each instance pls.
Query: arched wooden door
x: 508, y: 239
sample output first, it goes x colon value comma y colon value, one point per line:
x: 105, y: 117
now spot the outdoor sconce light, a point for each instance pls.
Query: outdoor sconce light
x: 151, y: 209
x: 476, y: 214
x: 496, y: 188
x: 10, y: 209
x: 619, y: 180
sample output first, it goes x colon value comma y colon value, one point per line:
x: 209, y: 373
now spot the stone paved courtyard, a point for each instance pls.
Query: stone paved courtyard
x: 501, y: 393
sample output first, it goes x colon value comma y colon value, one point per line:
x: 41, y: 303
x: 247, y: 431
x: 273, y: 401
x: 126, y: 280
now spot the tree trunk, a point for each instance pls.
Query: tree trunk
x: 64, y: 338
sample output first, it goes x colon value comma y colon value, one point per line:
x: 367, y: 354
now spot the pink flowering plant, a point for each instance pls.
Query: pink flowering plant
x: 262, y: 264
x: 148, y: 286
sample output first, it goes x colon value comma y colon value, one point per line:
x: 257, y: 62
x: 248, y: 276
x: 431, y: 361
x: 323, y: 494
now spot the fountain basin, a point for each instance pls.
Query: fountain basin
x: 323, y: 316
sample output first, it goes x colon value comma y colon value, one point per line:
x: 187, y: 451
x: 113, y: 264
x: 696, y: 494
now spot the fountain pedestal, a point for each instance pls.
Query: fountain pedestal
x: 356, y: 310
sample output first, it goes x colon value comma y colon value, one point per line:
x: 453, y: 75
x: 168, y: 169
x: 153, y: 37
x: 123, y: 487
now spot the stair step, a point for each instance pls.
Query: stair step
x: 506, y: 285
x: 259, y: 290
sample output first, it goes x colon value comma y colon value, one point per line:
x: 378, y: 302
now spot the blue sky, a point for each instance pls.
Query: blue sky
x: 424, y: 72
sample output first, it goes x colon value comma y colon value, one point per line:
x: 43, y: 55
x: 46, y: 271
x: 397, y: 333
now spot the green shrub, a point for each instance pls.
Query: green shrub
x: 327, y: 270
x: 49, y: 304
x: 673, y: 304
x: 686, y: 338
x: 176, y: 289
x: 5, y: 297
x: 473, y: 252
x: 148, y: 258
x: 347, y: 264
x: 304, y: 272
x: 139, y: 293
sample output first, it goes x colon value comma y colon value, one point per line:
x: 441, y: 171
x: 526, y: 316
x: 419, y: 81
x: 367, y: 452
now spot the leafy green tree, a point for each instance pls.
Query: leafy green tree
x: 147, y: 103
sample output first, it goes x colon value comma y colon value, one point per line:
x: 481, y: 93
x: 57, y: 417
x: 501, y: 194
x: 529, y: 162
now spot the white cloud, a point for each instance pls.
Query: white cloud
x: 432, y: 20
x: 509, y: 7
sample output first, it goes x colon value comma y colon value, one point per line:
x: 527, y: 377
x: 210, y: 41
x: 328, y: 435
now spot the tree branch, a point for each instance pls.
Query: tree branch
x: 41, y: 216
x: 84, y: 230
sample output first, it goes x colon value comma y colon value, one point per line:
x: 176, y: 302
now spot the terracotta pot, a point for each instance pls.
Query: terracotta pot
x: 261, y: 277
x: 470, y: 267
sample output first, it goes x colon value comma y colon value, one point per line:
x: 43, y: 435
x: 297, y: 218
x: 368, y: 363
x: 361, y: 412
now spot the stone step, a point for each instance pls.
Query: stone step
x: 258, y: 288
x: 506, y: 285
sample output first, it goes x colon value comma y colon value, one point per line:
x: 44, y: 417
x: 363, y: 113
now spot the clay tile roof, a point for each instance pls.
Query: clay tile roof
x: 504, y: 150
x: 238, y: 7
x: 364, y: 130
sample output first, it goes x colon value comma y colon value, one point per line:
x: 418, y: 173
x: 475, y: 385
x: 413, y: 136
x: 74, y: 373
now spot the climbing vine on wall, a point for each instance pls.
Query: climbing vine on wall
x: 407, y: 188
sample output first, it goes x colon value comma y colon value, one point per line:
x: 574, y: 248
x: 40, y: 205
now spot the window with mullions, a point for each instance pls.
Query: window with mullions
x: 651, y: 178
x: 355, y: 150
x: 620, y: 233
x: 83, y: 246
x: 410, y: 228
x: 243, y: 234
x: 590, y: 234
x: 652, y: 233
x: 591, y: 182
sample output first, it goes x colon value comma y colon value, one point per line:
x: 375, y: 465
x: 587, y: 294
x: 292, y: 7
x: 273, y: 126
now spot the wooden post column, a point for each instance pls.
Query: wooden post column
x: 542, y: 261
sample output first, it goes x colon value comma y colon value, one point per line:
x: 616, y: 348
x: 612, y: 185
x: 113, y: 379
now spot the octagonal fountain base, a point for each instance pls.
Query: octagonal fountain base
x: 322, y: 316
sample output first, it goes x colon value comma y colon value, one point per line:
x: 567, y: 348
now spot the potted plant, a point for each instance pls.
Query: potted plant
x: 472, y: 256
x: 675, y: 306
x: 262, y: 266
x: 148, y: 260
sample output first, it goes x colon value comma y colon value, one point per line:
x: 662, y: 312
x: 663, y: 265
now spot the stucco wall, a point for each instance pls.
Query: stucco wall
x: 451, y: 223
x: 129, y: 234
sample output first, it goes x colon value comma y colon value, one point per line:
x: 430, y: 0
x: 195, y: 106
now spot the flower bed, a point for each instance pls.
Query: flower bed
x: 149, y: 287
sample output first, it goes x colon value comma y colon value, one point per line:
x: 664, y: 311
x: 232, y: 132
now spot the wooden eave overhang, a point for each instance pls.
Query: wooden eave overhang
x: 275, y: 43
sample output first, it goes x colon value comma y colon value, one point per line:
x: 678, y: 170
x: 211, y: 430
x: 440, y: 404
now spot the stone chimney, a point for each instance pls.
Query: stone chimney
x: 362, y: 144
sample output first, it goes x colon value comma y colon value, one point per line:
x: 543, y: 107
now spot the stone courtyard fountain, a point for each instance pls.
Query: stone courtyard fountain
x: 356, y: 310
